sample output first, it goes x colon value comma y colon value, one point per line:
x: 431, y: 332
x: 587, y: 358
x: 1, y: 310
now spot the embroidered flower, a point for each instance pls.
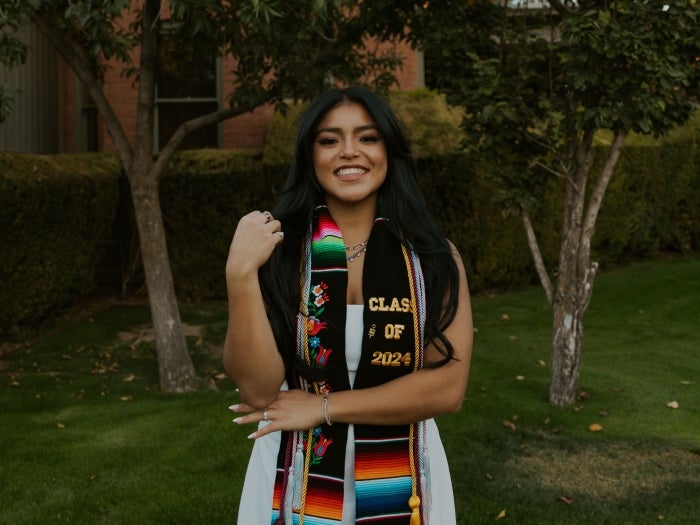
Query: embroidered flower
x: 319, y: 445
x: 320, y: 448
x: 322, y: 355
x: 322, y: 445
x: 314, y: 326
x: 320, y: 300
x: 319, y: 289
x: 318, y: 297
x: 314, y: 341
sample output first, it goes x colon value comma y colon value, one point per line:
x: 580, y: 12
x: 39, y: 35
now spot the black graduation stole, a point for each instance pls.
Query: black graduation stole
x: 388, y: 459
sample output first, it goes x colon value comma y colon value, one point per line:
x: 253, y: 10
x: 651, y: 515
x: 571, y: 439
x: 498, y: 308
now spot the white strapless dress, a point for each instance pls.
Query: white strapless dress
x: 256, y: 500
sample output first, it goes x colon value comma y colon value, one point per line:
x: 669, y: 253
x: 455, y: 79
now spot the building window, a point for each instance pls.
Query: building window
x: 89, y: 124
x: 182, y: 96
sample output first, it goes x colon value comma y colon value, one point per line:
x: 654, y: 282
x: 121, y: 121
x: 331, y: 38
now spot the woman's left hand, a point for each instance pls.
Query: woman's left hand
x: 291, y: 410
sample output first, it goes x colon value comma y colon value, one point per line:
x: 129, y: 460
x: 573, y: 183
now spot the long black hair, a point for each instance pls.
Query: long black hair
x: 401, y: 202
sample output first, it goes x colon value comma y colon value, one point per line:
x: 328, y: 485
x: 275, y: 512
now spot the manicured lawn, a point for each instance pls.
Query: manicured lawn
x: 85, y: 437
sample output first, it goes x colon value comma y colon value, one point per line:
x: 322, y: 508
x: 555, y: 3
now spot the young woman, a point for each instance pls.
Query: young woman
x: 349, y: 330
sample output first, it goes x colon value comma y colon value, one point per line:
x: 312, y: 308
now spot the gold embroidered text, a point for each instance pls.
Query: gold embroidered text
x: 379, y: 304
x: 391, y: 359
x: 393, y: 331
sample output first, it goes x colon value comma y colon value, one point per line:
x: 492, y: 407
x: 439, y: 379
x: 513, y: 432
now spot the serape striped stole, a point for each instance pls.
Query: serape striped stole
x: 388, y: 459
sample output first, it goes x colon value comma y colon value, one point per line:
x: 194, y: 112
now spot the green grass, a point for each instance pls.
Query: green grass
x: 642, y: 350
x: 85, y: 436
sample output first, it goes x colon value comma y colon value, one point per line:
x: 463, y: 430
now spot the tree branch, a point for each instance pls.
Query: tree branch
x: 537, y: 258
x: 570, y: 253
x: 147, y: 79
x: 549, y: 170
x: 596, y: 199
x: 78, y: 60
x: 187, y: 127
x: 587, y: 285
x: 583, y: 157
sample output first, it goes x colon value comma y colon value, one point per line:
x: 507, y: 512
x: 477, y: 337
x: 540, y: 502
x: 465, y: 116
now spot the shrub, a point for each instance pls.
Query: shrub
x: 56, y: 213
x: 432, y: 125
x: 281, y: 138
x: 203, y: 195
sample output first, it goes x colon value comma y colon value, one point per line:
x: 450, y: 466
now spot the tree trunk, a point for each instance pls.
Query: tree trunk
x: 576, y: 271
x: 175, y: 369
x: 568, y: 305
x: 567, y: 341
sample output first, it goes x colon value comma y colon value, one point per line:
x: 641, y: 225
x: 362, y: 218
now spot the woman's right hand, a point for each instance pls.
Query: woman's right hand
x: 256, y: 236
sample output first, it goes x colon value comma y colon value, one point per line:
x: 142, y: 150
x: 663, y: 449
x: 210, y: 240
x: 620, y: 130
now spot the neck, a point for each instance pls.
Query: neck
x: 355, y: 222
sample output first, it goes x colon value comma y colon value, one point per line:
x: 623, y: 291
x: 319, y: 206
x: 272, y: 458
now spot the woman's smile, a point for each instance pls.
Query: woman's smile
x: 350, y: 172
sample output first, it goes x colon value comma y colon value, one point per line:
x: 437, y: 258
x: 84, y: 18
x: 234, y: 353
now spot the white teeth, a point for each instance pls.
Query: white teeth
x: 349, y: 171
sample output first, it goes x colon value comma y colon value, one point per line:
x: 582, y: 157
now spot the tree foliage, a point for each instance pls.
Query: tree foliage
x: 538, y: 84
x: 280, y: 50
x: 538, y: 80
x: 12, y: 52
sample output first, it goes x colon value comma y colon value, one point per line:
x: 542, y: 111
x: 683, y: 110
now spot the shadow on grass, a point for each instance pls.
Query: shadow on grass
x: 533, y: 478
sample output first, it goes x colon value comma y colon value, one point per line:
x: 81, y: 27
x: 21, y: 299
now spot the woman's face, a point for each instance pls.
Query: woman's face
x: 349, y: 156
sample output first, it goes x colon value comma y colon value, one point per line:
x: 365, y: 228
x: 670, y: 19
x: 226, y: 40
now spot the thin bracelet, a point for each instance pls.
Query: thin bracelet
x: 326, y: 415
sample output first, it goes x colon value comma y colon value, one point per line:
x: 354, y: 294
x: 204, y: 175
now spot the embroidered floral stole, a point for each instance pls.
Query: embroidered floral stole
x: 388, y: 459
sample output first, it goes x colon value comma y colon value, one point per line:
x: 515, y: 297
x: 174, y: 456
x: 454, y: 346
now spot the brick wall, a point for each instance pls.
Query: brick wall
x: 244, y: 132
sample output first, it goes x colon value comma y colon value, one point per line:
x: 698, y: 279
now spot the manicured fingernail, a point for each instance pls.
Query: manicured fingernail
x: 253, y: 435
x: 234, y: 407
x: 237, y: 420
x: 237, y: 390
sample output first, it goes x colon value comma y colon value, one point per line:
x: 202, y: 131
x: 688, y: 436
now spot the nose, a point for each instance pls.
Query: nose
x: 349, y: 150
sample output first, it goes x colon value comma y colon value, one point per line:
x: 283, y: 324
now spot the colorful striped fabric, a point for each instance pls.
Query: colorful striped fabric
x: 328, y: 249
x: 309, y: 486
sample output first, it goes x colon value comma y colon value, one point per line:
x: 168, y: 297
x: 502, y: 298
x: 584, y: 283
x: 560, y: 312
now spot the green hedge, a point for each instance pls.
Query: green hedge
x: 652, y: 206
x: 461, y: 197
x: 653, y: 203
x: 56, y: 212
x: 203, y: 195
x: 60, y: 215
x: 202, y: 206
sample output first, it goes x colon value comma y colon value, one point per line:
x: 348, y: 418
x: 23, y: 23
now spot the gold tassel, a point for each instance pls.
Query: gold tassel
x: 414, y: 503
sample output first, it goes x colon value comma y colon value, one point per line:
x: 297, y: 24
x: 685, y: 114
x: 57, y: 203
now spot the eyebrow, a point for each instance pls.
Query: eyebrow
x: 358, y: 129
